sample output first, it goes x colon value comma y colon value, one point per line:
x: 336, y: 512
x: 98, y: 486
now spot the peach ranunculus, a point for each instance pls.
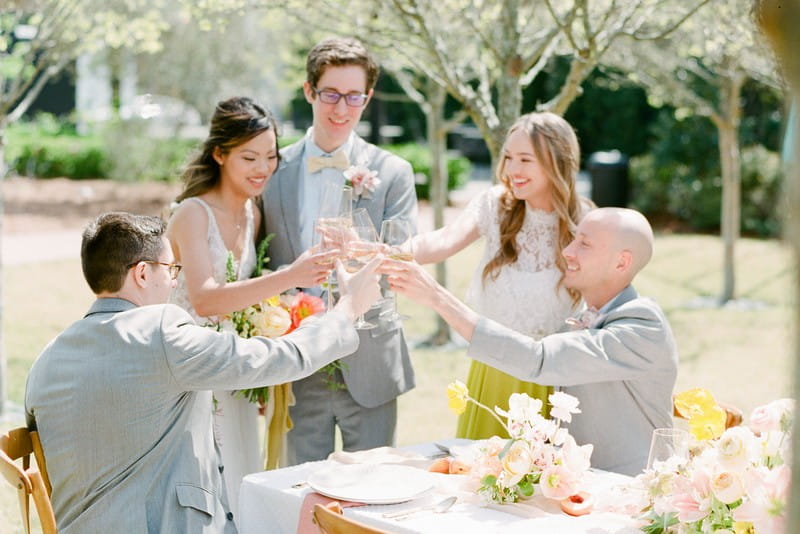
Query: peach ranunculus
x: 457, y: 397
x: 271, y: 321
x: 727, y: 487
x: 774, y: 416
x: 517, y: 462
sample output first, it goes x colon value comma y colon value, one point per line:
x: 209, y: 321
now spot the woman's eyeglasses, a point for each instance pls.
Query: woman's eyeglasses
x: 173, y: 268
x: 354, y: 100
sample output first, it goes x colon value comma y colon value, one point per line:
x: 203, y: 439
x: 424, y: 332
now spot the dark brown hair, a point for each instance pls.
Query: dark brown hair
x: 235, y: 122
x: 115, y: 240
x: 338, y: 52
x: 556, y: 148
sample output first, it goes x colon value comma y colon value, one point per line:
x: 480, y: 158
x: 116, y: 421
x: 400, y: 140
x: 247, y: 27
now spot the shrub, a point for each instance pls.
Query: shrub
x: 138, y: 156
x: 458, y: 168
x: 48, y: 148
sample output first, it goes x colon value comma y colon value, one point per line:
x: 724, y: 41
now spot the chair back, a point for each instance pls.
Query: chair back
x: 330, y: 520
x: 30, y: 480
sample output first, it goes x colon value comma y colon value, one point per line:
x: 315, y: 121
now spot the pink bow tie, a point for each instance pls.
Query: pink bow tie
x: 337, y: 161
x: 585, y: 319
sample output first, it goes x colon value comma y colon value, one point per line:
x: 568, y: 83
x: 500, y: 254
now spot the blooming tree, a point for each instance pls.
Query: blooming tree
x: 700, y: 70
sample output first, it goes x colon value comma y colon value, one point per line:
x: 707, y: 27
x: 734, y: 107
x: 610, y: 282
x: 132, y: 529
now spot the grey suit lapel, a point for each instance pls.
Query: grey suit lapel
x: 289, y: 195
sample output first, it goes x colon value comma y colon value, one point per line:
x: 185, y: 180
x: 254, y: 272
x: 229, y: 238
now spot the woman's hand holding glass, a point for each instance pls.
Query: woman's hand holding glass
x: 313, y: 266
x: 397, y: 236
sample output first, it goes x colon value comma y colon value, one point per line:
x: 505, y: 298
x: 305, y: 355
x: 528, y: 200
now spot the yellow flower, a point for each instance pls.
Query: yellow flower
x: 743, y: 527
x: 457, y: 395
x: 706, y: 418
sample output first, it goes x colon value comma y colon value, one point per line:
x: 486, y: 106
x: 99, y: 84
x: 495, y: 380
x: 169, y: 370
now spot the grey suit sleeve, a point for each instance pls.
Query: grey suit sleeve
x: 623, y: 349
x: 200, y: 358
x: 401, y: 197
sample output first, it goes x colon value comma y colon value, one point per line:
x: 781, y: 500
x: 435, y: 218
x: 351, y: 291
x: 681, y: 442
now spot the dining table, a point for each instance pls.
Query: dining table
x: 377, y: 483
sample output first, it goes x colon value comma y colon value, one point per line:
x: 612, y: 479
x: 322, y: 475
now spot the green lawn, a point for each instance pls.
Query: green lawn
x: 741, y: 353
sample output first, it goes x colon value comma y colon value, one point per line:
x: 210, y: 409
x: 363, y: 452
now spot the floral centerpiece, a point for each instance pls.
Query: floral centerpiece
x: 735, y: 480
x: 539, y: 450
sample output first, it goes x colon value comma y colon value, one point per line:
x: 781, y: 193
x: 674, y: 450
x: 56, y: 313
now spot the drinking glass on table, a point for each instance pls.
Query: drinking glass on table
x: 668, y: 443
x: 362, y: 247
x: 397, y: 234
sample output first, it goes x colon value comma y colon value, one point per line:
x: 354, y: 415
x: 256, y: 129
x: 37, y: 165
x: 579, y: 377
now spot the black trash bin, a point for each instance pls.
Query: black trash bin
x: 609, y: 173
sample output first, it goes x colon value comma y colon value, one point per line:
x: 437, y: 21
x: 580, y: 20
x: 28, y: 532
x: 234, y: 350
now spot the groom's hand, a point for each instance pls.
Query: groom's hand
x: 358, y: 290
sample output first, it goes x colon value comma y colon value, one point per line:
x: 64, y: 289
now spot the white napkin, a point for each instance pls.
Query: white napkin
x: 381, y: 455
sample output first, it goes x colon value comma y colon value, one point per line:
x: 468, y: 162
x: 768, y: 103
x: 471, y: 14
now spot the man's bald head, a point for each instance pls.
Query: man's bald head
x: 631, y: 232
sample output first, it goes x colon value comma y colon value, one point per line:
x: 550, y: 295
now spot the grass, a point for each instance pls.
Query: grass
x: 740, y: 353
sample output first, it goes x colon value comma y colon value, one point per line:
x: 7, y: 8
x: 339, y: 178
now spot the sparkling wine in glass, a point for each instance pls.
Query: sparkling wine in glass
x: 397, y: 234
x: 360, y: 250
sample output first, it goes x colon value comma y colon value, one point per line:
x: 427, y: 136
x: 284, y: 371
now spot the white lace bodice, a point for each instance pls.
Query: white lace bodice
x: 524, y: 295
x: 218, y: 253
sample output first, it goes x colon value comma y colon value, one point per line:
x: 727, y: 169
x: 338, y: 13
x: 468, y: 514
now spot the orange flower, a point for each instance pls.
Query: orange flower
x: 304, y: 306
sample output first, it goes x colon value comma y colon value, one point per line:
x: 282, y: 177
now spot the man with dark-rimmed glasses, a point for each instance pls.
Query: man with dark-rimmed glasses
x: 340, y: 76
x: 122, y: 398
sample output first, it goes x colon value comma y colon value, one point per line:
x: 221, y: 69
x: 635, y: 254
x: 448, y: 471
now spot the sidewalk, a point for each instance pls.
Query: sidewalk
x: 28, y: 248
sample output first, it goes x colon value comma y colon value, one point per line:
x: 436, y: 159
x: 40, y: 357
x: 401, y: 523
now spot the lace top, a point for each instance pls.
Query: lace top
x: 218, y: 253
x: 525, y: 295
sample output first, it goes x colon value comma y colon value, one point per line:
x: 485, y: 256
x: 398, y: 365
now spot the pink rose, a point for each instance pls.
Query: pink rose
x: 768, y: 418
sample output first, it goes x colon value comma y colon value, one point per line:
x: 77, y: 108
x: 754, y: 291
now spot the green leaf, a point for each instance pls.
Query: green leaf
x: 261, y: 256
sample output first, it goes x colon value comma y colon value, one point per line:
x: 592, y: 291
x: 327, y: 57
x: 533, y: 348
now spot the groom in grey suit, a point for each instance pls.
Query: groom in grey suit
x: 122, y: 398
x: 620, y: 360
x: 340, y: 78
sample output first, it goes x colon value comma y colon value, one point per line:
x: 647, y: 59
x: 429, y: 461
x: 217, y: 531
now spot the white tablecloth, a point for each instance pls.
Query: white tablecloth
x: 269, y: 504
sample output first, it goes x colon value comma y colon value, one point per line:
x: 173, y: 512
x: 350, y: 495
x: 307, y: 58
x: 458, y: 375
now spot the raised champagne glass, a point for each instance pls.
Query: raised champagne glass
x: 397, y: 235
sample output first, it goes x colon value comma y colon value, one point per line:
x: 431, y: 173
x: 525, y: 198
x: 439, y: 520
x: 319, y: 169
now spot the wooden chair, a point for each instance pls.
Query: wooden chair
x: 30, y: 480
x: 330, y: 520
x: 733, y: 415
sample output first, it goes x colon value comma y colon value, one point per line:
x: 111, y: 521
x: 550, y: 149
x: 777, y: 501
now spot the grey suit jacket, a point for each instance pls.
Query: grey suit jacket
x: 381, y: 368
x: 123, y: 406
x: 622, y: 370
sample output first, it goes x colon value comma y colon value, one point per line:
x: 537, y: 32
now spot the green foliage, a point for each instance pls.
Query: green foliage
x: 458, y: 168
x: 137, y: 156
x: 47, y: 148
x: 680, y: 179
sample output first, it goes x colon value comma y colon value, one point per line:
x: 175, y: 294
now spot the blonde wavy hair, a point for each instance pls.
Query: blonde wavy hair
x: 556, y: 148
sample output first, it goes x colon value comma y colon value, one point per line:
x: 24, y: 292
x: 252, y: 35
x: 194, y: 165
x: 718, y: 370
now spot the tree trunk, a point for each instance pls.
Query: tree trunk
x: 3, y: 367
x: 437, y: 139
x: 728, y: 128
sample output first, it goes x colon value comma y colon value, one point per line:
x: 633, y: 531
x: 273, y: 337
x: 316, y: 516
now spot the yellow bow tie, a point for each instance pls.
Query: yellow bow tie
x: 337, y: 161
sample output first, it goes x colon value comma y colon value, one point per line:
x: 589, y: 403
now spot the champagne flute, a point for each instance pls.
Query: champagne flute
x: 397, y: 234
x: 668, y: 443
x: 329, y: 234
x: 335, y: 215
x: 360, y: 250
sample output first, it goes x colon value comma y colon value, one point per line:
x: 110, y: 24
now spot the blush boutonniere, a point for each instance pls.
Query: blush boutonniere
x: 361, y: 179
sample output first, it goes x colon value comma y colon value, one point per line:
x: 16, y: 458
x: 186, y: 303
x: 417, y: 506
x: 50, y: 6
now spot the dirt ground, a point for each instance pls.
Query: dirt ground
x: 34, y: 205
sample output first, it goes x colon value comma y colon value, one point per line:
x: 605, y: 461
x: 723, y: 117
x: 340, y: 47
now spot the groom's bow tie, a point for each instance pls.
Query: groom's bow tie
x: 337, y: 161
x: 585, y: 319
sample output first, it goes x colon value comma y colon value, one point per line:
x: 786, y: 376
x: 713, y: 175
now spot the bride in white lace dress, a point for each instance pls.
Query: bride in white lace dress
x: 217, y: 217
x: 526, y: 222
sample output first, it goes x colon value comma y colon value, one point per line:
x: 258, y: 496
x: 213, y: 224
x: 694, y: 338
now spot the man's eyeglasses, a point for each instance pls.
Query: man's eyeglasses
x: 354, y: 100
x: 173, y: 268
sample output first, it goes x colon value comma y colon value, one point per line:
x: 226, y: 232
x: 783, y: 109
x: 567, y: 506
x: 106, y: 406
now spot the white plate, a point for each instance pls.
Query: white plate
x: 371, y: 483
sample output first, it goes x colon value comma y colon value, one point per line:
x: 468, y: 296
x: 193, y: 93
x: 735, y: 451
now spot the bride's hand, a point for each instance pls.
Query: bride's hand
x: 312, y: 267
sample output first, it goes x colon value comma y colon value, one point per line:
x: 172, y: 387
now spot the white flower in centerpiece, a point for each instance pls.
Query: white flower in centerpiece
x: 517, y: 462
x: 735, y: 449
x: 564, y: 405
x: 727, y: 487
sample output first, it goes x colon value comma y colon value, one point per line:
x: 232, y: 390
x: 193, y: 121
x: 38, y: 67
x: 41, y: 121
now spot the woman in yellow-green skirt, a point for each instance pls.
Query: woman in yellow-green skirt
x: 526, y: 221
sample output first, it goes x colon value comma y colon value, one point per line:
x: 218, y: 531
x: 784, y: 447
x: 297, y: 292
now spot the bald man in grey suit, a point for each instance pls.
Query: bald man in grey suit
x: 122, y: 398
x: 621, y: 363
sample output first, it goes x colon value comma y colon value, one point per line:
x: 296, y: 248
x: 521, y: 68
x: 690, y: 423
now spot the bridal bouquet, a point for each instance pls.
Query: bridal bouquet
x: 538, y: 451
x: 272, y: 318
x: 735, y: 480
